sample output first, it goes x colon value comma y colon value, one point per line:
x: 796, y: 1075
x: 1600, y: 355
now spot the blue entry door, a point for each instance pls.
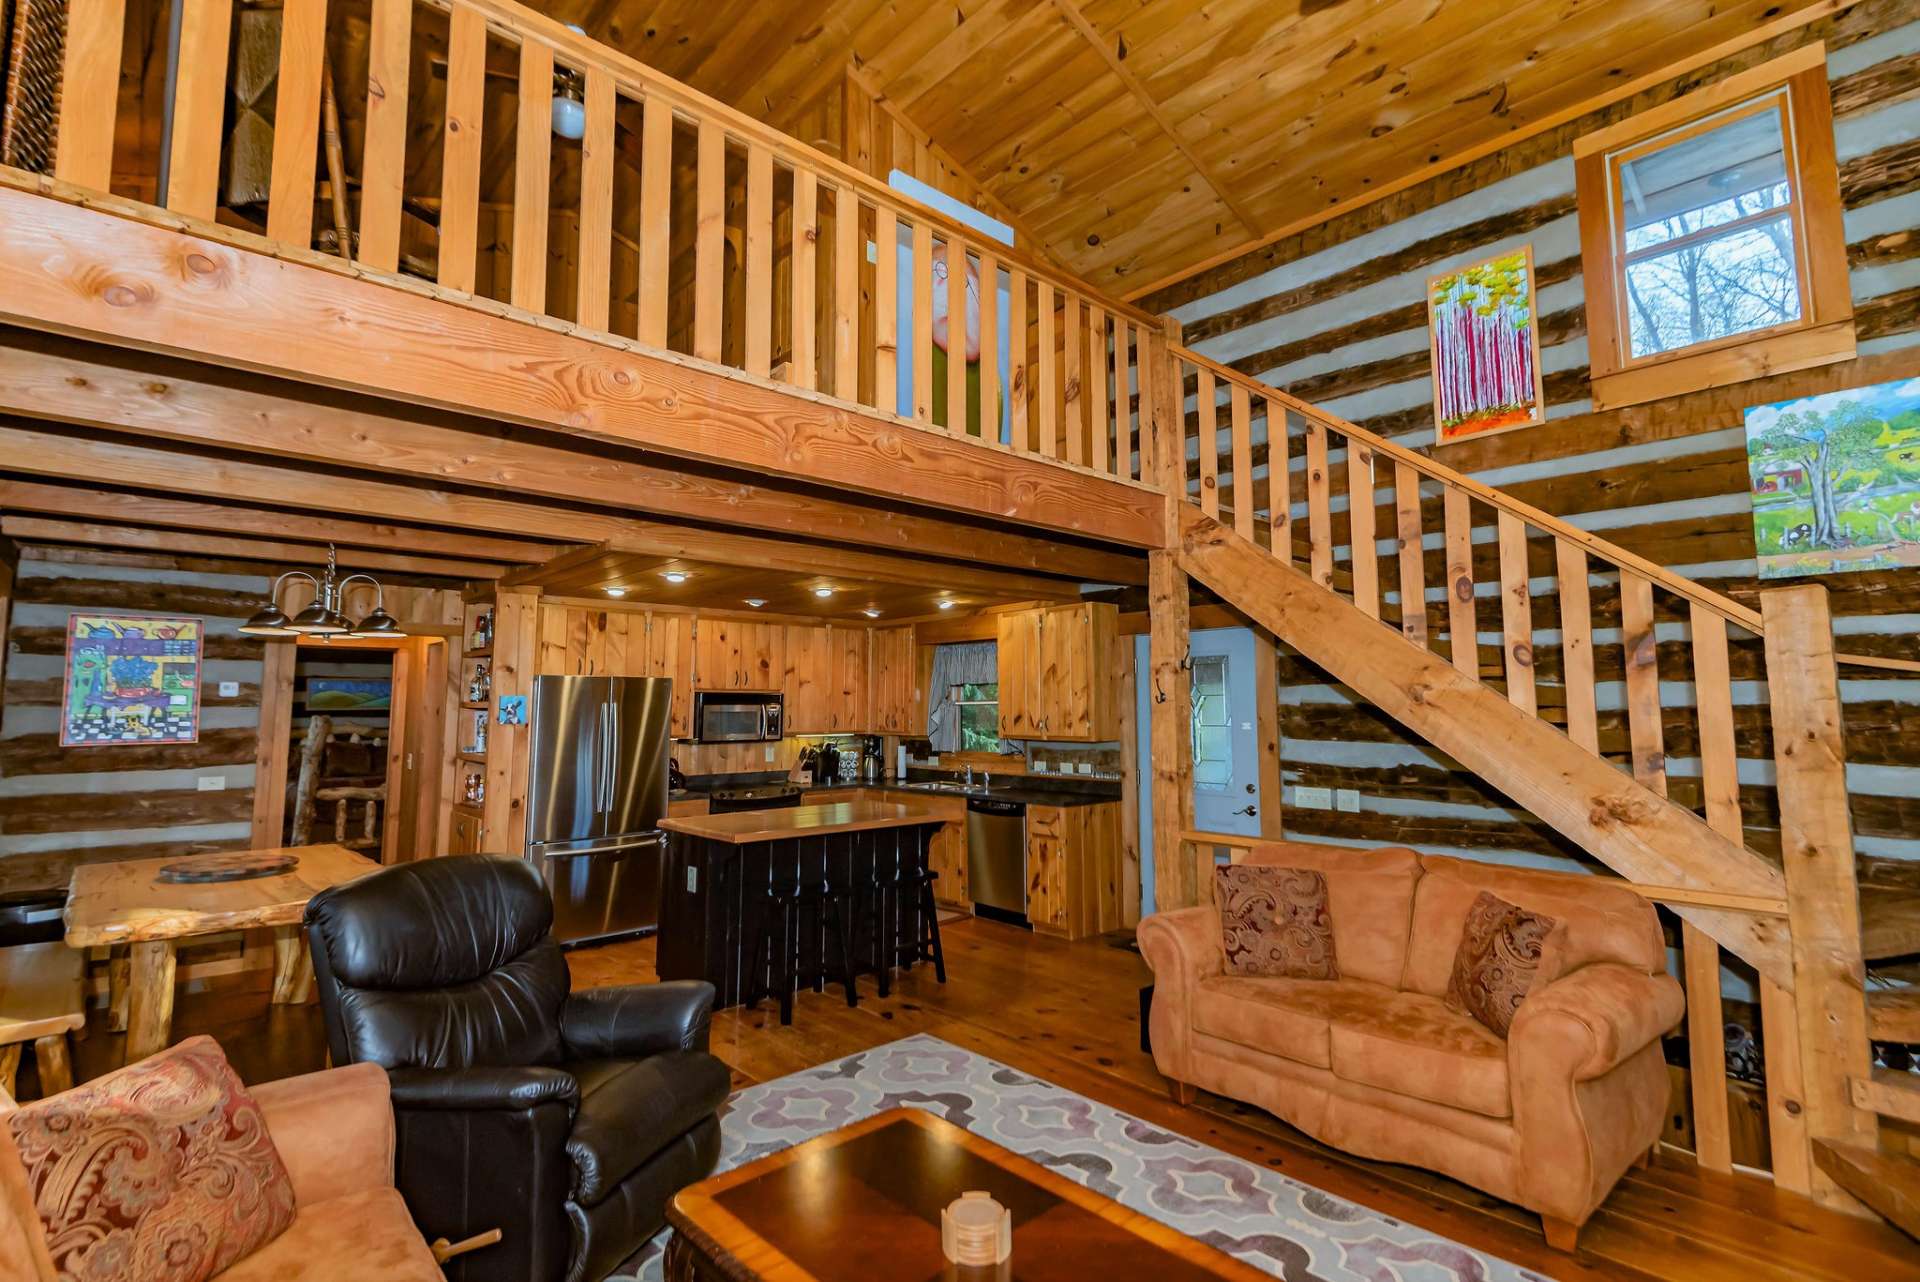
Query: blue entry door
x: 1226, y: 741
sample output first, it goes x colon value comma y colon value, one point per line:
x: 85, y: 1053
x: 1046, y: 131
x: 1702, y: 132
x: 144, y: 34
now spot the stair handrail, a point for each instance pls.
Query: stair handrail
x: 1719, y: 603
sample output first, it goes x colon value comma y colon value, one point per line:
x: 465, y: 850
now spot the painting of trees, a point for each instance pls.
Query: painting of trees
x: 1835, y: 480
x: 1485, y: 347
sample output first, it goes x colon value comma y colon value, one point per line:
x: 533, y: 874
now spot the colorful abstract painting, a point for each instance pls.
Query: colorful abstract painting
x: 131, y: 678
x: 1835, y: 480
x: 1485, y: 348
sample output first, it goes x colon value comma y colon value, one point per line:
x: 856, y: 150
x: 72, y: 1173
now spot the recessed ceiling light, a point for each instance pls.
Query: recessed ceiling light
x: 616, y: 591
x: 823, y: 591
x: 871, y: 614
x: 756, y: 602
x: 947, y: 604
x: 674, y: 576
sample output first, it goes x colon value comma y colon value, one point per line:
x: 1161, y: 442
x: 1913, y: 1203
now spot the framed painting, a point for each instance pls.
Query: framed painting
x: 1835, y: 481
x: 131, y: 679
x: 1484, y: 343
x: 349, y: 694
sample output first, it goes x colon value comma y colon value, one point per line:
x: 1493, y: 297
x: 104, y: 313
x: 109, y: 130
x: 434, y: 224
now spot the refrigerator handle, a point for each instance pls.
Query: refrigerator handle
x: 606, y: 757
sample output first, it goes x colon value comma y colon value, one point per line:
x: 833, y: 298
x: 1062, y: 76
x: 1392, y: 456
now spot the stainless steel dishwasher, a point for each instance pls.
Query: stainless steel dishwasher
x: 997, y: 854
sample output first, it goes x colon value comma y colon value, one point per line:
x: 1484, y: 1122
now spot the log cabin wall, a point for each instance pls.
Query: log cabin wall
x: 1337, y: 316
x: 63, y: 806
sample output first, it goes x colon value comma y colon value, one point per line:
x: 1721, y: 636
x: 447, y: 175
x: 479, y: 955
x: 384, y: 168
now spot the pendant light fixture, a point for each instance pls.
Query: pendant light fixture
x: 324, y: 617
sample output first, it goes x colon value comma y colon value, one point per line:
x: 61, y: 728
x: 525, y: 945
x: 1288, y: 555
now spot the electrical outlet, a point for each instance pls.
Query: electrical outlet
x: 693, y: 881
x: 229, y: 689
x: 1347, y: 799
x: 1083, y: 767
x: 213, y: 783
x: 1313, y: 798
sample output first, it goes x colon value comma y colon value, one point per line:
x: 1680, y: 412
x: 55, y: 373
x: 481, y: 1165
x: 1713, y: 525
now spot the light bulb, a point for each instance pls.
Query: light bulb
x: 823, y: 591
x: 616, y: 591
x: 569, y: 117
x: 947, y: 604
x: 674, y: 576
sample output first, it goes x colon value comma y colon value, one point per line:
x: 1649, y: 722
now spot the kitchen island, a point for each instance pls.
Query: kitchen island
x: 721, y: 872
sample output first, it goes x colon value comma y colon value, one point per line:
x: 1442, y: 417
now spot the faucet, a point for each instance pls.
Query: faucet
x: 969, y: 782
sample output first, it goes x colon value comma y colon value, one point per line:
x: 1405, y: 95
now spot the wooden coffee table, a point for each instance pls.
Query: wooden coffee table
x: 863, y: 1204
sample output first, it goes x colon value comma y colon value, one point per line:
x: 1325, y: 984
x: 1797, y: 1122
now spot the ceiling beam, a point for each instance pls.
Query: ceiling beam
x: 301, y: 316
x: 49, y: 453
x: 1078, y: 21
x: 221, y: 518
x: 42, y: 376
x: 35, y: 529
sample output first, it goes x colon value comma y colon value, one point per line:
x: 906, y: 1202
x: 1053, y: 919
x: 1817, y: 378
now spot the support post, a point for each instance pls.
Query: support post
x: 1170, y: 692
x: 1816, y: 837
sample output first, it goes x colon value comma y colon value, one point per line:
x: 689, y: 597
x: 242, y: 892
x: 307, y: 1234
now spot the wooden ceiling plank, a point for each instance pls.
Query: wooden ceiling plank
x: 35, y: 529
x: 153, y: 510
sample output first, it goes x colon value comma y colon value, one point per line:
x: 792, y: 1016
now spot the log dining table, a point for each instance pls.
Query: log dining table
x: 130, y: 902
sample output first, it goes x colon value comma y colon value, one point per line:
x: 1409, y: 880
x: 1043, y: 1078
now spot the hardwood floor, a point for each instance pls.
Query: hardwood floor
x: 1070, y: 1013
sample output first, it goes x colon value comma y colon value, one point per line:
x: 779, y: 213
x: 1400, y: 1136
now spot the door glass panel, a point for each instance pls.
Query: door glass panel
x: 1212, y: 726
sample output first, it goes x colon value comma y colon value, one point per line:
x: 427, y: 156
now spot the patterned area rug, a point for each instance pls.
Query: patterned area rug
x: 1286, y: 1228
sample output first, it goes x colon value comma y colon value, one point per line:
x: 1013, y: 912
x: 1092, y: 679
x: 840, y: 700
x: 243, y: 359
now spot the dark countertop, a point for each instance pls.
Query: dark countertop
x: 1083, y: 793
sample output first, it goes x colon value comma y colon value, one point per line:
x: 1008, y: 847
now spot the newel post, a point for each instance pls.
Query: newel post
x: 1816, y: 838
x: 1169, y: 689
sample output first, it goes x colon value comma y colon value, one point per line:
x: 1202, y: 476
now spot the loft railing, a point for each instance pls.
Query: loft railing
x: 742, y: 247
x: 1338, y: 501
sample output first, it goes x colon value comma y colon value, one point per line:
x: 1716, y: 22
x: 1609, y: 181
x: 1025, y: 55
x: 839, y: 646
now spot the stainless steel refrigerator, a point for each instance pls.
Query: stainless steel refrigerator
x: 596, y: 791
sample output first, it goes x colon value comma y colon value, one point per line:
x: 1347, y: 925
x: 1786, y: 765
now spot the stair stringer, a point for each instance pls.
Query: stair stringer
x: 1633, y: 830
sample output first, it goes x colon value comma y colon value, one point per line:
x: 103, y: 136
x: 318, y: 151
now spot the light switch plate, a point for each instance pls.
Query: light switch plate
x: 213, y: 783
x: 1313, y: 798
x: 229, y: 689
x: 769, y: 754
x: 1347, y: 799
x: 693, y: 881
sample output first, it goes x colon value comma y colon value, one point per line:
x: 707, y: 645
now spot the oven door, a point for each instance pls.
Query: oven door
x: 720, y: 721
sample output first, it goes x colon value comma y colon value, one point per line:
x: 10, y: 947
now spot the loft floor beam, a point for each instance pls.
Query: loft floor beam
x: 34, y: 529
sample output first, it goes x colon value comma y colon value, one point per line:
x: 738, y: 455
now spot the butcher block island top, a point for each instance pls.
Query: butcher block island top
x: 744, y: 827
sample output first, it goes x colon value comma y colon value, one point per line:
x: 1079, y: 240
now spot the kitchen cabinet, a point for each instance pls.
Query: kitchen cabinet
x: 898, y: 705
x: 582, y: 641
x: 688, y: 806
x: 738, y: 654
x: 1074, y: 873
x: 463, y: 835
x: 825, y: 679
x: 669, y: 653
x: 1058, y: 673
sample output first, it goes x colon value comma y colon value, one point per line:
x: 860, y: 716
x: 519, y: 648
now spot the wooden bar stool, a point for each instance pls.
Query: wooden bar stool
x: 774, y: 963
x: 42, y: 1000
x: 893, y: 945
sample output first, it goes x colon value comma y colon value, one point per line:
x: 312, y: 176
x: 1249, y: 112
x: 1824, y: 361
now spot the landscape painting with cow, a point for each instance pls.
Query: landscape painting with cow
x: 1835, y: 480
x: 131, y: 679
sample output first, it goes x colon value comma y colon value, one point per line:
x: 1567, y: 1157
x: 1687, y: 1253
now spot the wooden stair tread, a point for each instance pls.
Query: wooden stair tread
x: 1888, y: 1184
x: 40, y: 991
x: 1890, y: 1092
x: 1893, y: 1014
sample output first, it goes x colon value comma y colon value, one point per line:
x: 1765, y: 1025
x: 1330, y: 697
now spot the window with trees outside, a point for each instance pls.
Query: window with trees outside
x: 979, y: 708
x: 1712, y: 248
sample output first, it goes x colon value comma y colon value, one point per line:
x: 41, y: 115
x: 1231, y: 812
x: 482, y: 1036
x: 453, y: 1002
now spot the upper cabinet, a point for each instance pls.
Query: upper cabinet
x: 898, y: 705
x: 1057, y: 673
x: 826, y: 679
x: 588, y: 641
x: 738, y: 654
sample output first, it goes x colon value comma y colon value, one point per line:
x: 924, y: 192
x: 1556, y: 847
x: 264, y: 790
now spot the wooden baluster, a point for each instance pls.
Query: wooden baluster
x: 1787, y: 1134
x: 1319, y: 507
x: 709, y: 239
x: 1243, y: 502
x: 886, y: 310
x: 1576, y: 644
x: 847, y: 244
x: 989, y: 347
x: 1642, y: 657
x: 1279, y: 482
x: 1210, y: 446
x: 1143, y: 366
x: 596, y: 201
x: 1363, y: 536
x: 1516, y: 613
x: 1123, y: 428
x: 656, y: 219
x: 383, y: 161
x: 1463, y: 621
x: 1720, y: 790
x: 199, y: 106
x: 1072, y: 380
x: 923, y: 323
x: 460, y: 152
x: 296, y: 125
x: 805, y: 371
x: 532, y: 176
x: 1413, y: 562
x: 1018, y: 378
x: 1047, y: 380
x: 757, y: 351
x: 84, y: 155
x: 955, y: 251
x: 1098, y: 422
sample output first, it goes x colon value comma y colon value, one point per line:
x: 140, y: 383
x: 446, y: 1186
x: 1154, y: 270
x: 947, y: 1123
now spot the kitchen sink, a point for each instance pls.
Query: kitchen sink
x: 934, y: 786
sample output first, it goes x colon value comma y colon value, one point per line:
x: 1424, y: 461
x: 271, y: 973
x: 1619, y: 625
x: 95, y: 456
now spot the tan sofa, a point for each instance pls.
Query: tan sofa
x: 1377, y: 1064
x: 334, y: 1132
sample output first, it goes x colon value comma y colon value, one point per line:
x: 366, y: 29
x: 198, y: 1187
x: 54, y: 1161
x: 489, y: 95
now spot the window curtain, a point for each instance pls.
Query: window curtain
x: 963, y: 663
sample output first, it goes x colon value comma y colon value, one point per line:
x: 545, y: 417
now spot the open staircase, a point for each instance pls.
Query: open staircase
x: 1329, y: 551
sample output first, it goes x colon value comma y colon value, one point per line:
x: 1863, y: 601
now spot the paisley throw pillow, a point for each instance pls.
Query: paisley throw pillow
x: 160, y: 1172
x: 1275, y: 921
x: 1501, y: 947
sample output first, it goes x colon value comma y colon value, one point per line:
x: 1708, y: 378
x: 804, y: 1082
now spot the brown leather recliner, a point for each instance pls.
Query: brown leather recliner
x: 1376, y: 1063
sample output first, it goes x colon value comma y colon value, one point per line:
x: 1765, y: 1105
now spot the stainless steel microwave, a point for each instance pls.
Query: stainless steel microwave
x: 730, y: 716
